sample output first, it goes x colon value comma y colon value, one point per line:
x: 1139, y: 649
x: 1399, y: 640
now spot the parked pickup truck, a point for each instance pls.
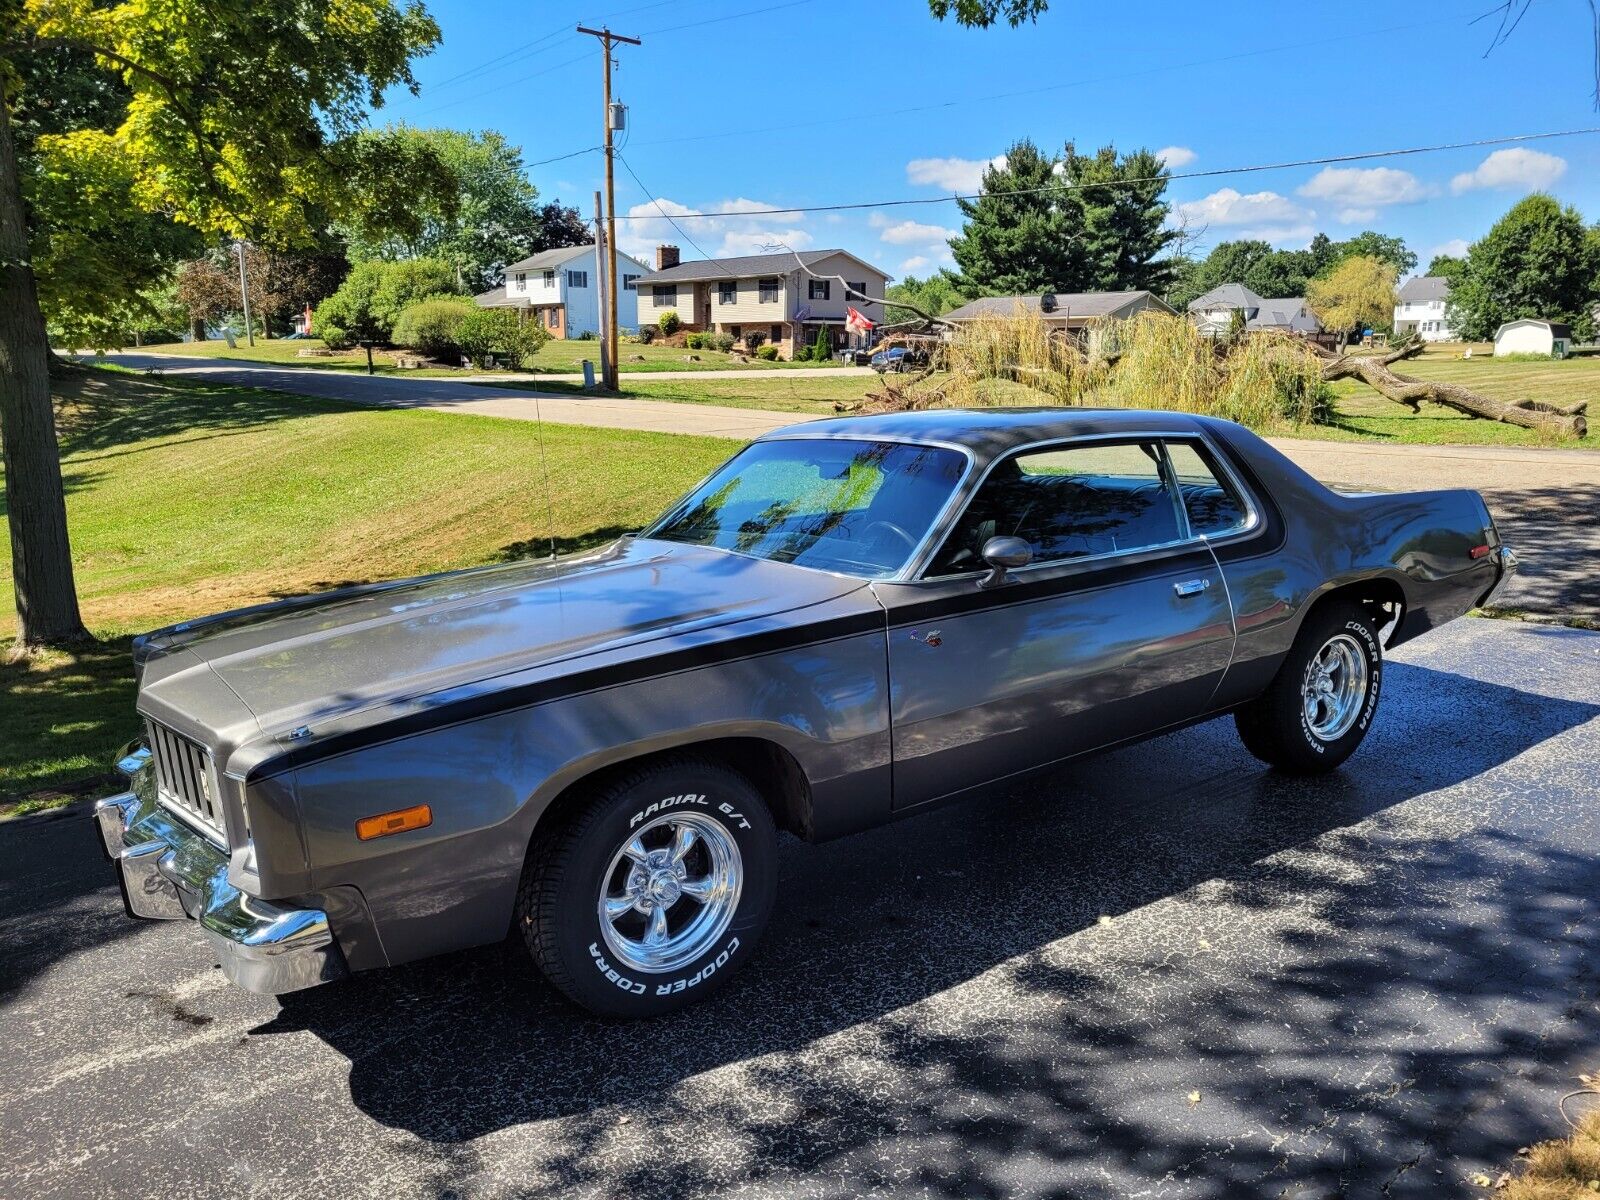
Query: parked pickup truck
x: 849, y: 621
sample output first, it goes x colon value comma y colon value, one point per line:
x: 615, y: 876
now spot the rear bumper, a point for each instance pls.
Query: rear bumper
x: 169, y: 872
x: 1506, y: 563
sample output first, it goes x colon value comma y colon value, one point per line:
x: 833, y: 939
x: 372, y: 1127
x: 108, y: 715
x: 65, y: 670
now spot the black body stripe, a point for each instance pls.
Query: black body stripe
x: 526, y: 695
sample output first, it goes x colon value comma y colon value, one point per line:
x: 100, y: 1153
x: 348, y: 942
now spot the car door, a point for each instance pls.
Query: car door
x: 1120, y: 625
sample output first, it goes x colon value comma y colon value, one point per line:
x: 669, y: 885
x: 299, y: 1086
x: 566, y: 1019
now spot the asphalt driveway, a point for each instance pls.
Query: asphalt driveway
x: 1163, y: 972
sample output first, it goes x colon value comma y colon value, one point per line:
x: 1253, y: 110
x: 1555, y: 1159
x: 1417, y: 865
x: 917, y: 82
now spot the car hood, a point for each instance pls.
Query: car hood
x: 311, y: 658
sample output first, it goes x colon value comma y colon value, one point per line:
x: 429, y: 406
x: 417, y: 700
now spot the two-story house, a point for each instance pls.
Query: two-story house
x: 561, y: 289
x: 780, y: 299
x: 1213, y: 312
x: 1420, y: 308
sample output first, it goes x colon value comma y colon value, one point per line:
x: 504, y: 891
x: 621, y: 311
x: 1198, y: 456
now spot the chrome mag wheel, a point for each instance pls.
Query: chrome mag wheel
x: 1334, y: 687
x: 670, y: 892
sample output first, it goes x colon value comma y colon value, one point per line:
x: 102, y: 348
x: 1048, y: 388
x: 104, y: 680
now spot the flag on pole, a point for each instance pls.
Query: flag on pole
x: 855, y: 322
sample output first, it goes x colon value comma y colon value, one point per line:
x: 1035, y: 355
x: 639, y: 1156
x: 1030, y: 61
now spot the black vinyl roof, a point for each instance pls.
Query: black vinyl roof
x: 997, y: 430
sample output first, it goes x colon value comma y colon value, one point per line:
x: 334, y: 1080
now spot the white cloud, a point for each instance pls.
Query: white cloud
x: 1455, y: 248
x: 1174, y: 157
x: 909, y: 233
x: 1360, y: 192
x: 1229, y: 207
x: 915, y: 263
x: 642, y: 230
x: 1517, y: 167
x: 951, y: 174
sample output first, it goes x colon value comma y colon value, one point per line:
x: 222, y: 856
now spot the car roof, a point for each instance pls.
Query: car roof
x: 989, y: 431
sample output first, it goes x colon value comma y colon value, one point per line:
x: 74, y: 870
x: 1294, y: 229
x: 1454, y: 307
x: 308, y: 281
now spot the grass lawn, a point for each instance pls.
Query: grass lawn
x: 555, y: 357
x: 186, y: 498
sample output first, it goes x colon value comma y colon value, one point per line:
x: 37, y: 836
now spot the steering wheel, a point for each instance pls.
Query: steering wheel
x: 911, y: 542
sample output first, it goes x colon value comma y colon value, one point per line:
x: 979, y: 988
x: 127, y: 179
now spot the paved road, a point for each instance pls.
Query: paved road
x: 1547, y: 502
x: 1380, y: 979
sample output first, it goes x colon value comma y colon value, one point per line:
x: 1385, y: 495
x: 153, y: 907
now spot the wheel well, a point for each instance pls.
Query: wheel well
x: 771, y: 770
x: 1381, y: 597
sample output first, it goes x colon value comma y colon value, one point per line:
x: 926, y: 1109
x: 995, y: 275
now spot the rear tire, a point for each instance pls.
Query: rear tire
x: 654, y: 892
x: 1321, y: 703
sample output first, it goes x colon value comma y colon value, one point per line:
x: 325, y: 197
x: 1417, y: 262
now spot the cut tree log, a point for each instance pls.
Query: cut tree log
x: 1566, y: 420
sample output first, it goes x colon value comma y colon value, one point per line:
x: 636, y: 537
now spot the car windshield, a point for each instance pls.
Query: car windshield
x: 856, y: 507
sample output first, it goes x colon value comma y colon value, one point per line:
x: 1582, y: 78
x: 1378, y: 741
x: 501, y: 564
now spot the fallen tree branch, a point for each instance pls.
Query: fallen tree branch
x: 1565, y: 420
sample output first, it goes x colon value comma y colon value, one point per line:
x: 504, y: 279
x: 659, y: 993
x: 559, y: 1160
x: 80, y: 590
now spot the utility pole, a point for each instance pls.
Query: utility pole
x: 608, y: 356
x: 601, y: 243
x: 244, y: 292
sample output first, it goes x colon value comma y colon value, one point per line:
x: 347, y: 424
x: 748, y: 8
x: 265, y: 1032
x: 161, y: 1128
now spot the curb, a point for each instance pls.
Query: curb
x: 76, y: 808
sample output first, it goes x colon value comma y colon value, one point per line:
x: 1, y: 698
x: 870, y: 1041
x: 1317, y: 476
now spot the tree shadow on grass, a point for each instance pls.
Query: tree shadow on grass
x: 99, y: 411
x: 1339, y: 983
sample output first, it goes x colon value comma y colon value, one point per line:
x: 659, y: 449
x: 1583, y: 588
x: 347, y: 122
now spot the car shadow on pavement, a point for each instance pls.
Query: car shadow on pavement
x: 1101, y: 904
x: 1556, y: 534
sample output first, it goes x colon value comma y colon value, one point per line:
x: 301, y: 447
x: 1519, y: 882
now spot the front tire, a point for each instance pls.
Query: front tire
x: 1320, y: 704
x: 655, y: 892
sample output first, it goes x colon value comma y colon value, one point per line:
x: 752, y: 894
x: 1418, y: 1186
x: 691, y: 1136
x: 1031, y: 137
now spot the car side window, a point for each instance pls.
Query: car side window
x: 1068, y: 502
x: 1214, y: 508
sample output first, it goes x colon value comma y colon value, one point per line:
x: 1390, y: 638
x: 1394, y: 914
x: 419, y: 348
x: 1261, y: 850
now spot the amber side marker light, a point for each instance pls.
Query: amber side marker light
x: 384, y: 824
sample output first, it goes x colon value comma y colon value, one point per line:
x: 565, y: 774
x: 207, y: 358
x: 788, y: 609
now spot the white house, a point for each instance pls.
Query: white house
x: 1213, y: 312
x: 561, y: 289
x: 1420, y: 309
x: 781, y: 299
x: 1533, y: 337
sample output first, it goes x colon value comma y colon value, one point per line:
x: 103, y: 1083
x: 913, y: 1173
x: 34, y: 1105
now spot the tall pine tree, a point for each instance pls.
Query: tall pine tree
x: 1016, y: 239
x: 1116, y: 204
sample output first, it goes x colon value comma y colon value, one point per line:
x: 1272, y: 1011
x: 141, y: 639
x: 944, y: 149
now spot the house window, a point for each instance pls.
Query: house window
x: 663, y: 295
x: 522, y: 281
x: 552, y: 318
x: 768, y: 293
x: 819, y: 289
x: 855, y: 291
x: 777, y: 334
x: 550, y: 278
x: 628, y: 282
x: 736, y: 331
x: 728, y: 292
x: 577, y: 279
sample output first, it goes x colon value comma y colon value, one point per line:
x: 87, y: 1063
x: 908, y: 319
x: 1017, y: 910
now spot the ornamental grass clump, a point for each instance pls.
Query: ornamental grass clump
x: 1013, y: 360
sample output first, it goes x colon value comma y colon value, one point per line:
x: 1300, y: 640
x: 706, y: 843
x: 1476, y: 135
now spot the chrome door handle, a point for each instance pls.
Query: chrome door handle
x: 1191, y: 587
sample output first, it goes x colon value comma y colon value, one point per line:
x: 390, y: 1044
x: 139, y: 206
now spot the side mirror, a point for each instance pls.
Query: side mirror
x: 1004, y: 554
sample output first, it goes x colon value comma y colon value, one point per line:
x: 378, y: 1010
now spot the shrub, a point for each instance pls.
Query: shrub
x: 588, y: 335
x: 695, y: 341
x: 647, y: 334
x: 496, y: 331
x: 754, y: 341
x: 822, y: 348
x: 669, y: 322
x: 768, y: 353
x: 432, y: 326
x: 369, y: 301
x: 719, y: 341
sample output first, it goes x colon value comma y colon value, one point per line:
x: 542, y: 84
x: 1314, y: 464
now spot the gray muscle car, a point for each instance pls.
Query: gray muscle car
x: 850, y: 620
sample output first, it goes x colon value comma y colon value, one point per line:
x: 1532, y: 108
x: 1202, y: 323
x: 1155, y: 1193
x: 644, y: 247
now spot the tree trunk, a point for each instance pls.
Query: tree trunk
x: 197, y: 329
x: 1566, y: 420
x: 41, y: 558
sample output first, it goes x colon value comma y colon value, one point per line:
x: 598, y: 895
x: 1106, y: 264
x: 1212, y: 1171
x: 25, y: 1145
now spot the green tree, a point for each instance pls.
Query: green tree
x: 1115, y: 204
x: 1016, y: 237
x: 239, y: 120
x: 490, y: 218
x: 936, y: 295
x: 980, y: 14
x: 1447, y: 266
x: 373, y: 295
x: 1255, y: 264
x: 1368, y: 244
x: 1537, y: 261
x: 1359, y: 292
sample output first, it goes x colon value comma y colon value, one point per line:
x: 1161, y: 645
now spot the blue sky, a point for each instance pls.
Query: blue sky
x: 741, y: 104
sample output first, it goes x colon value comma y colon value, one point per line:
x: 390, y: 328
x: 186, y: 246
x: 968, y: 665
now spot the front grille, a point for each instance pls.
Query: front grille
x: 183, y: 778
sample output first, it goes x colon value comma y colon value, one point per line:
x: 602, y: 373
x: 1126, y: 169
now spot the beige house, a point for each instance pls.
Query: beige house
x: 778, y: 299
x: 1078, y: 314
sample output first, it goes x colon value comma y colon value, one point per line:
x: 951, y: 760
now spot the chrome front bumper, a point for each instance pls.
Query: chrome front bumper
x: 169, y: 872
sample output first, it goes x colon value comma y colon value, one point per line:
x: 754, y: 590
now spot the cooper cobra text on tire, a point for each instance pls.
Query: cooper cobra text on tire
x: 1321, y: 703
x: 654, y: 892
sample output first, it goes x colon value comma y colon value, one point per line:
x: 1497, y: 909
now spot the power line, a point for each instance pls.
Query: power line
x: 752, y: 12
x: 682, y: 232
x: 1325, y: 160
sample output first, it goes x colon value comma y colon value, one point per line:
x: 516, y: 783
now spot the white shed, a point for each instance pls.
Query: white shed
x: 1549, y: 338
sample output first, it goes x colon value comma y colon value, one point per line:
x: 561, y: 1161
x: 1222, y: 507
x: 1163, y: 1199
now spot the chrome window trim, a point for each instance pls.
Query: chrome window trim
x: 1252, y: 512
x: 913, y: 560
